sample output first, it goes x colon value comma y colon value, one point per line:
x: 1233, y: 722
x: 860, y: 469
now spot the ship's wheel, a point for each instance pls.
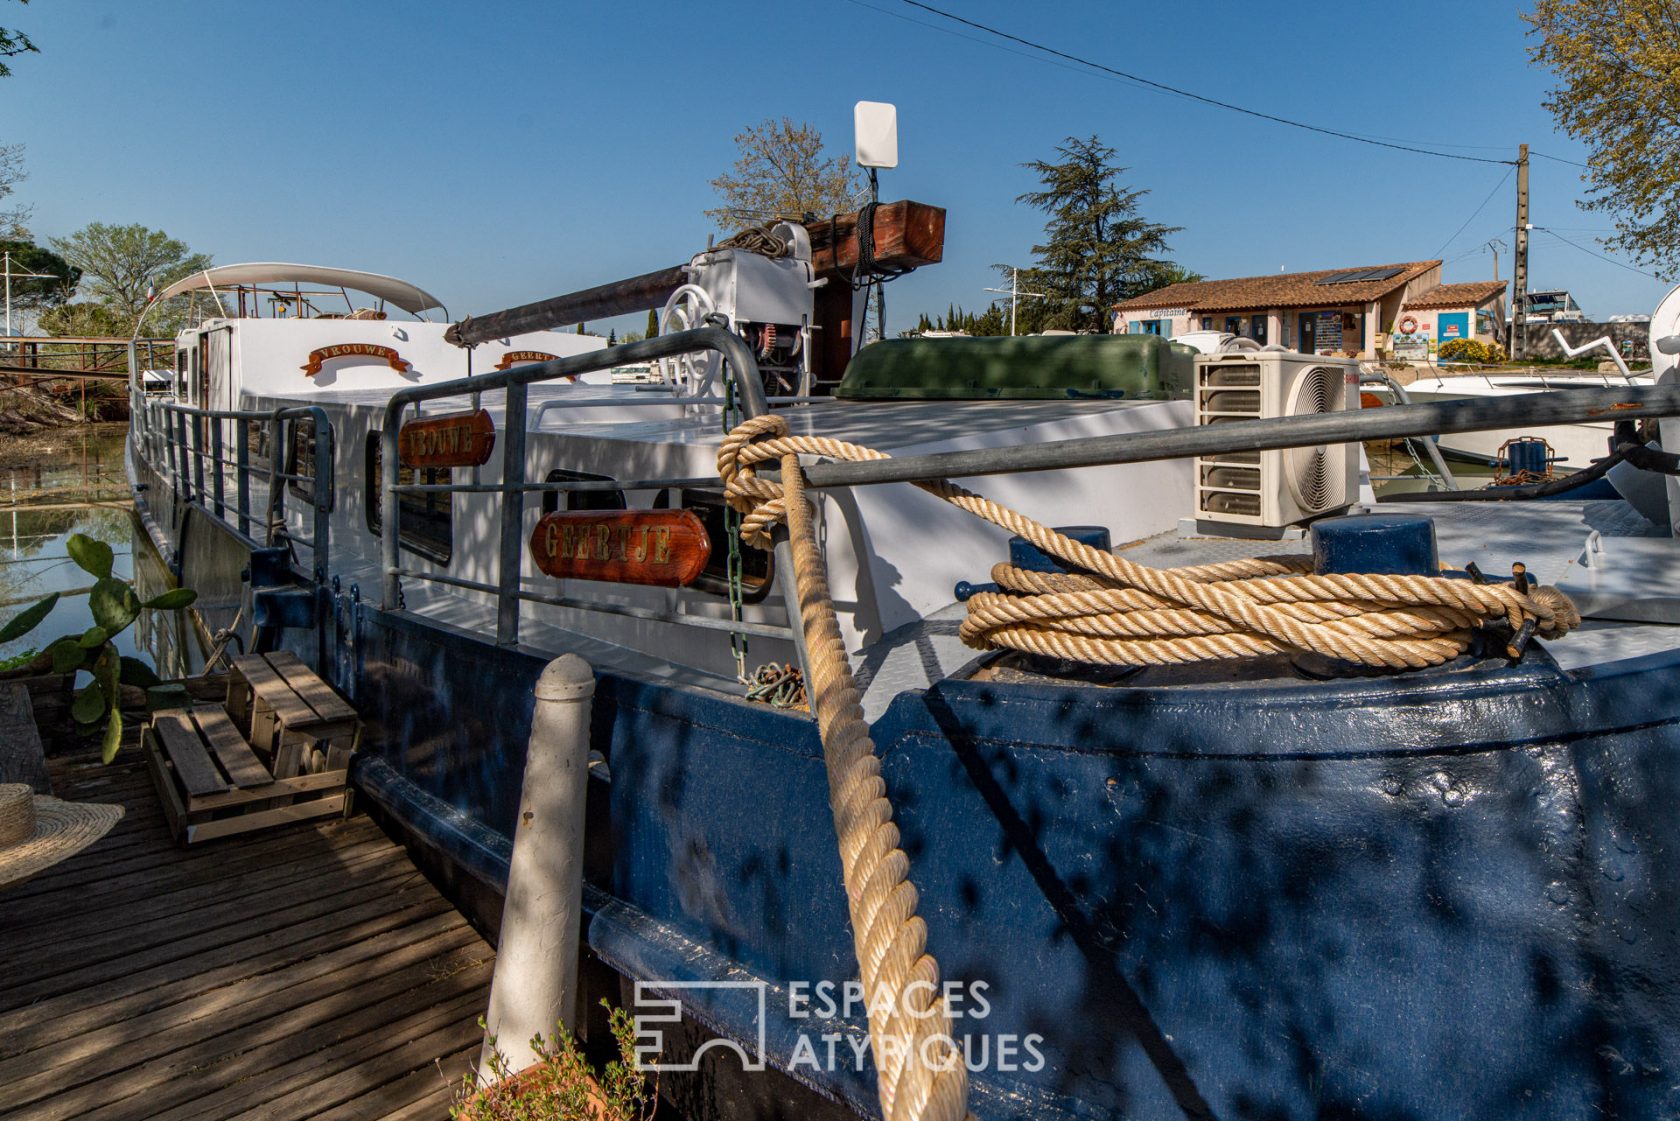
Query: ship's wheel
x: 687, y: 308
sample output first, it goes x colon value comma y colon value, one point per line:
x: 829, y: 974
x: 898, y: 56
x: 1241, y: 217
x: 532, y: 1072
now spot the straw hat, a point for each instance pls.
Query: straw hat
x: 37, y: 832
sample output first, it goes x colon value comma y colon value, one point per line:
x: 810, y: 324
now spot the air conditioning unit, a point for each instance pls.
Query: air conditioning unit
x: 1273, y: 489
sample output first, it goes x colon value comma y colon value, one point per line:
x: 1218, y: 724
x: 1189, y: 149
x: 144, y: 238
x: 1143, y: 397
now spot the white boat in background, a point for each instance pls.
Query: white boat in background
x: 1573, y: 445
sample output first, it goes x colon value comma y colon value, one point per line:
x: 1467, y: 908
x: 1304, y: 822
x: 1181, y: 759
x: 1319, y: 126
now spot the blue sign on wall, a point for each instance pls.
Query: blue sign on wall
x: 1454, y: 326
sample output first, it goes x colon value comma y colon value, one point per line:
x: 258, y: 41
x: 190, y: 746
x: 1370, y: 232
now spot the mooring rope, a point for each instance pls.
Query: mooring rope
x: 921, y: 1074
x: 1116, y: 612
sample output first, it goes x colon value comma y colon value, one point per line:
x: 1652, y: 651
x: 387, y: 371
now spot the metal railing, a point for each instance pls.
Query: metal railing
x: 740, y: 370
x: 182, y: 439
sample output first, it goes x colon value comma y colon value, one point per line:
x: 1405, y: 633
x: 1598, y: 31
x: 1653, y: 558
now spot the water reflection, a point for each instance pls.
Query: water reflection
x: 72, y: 482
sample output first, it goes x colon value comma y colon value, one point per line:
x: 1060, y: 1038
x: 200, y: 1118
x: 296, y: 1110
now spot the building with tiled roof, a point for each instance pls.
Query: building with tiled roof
x: 1364, y: 311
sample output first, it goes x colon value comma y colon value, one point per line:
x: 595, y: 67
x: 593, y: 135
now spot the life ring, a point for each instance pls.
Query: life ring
x: 1409, y: 325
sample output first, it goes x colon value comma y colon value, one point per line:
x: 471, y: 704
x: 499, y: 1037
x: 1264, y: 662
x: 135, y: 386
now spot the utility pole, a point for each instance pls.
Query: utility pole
x: 1519, y: 267
x: 1496, y: 245
x: 7, y: 256
x: 1014, y: 293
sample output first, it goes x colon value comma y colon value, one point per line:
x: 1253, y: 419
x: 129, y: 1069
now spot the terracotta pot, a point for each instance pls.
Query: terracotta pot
x: 518, y: 1083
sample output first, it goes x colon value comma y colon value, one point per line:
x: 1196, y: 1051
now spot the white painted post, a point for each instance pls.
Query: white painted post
x: 534, y: 986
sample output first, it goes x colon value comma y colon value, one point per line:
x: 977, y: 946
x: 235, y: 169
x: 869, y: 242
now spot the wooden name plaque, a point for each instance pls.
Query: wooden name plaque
x: 667, y: 548
x: 455, y: 440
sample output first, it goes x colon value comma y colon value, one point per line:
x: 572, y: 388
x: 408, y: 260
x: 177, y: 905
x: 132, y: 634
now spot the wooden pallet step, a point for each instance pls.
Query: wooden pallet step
x: 317, y: 694
x: 235, y: 755
x: 193, y: 766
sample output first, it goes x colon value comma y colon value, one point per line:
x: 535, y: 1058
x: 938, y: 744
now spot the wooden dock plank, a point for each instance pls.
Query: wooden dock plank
x: 237, y: 759
x: 153, y: 1050
x: 425, y: 1095
x: 138, y: 993
x: 106, y: 957
x: 138, y: 873
x: 192, y: 763
x: 184, y: 900
x: 333, y: 988
x: 453, y: 1028
x: 283, y: 1062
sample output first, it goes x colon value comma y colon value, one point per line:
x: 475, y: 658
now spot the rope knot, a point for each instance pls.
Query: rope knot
x: 758, y: 501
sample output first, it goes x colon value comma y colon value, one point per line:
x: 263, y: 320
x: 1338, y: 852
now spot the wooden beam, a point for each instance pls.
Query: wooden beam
x: 907, y: 236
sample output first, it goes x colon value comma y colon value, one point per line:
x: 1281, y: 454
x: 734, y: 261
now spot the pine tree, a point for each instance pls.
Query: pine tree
x: 1097, y: 250
x: 653, y: 325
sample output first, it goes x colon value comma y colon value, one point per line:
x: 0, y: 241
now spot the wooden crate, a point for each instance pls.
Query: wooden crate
x: 290, y: 716
x: 213, y: 785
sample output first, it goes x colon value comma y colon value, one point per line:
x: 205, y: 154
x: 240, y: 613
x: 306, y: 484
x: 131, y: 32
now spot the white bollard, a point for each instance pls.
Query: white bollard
x: 534, y: 986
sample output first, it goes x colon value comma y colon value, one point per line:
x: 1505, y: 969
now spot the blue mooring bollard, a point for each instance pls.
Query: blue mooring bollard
x: 1398, y: 544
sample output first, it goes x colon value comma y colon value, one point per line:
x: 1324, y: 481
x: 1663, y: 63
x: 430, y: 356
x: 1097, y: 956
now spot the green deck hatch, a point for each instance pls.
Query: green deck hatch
x: 1023, y: 368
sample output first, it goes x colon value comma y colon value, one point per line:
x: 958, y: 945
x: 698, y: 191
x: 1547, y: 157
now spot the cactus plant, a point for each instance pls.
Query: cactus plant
x: 114, y: 607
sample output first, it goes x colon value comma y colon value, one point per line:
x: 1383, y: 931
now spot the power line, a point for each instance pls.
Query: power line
x: 1559, y: 159
x: 1600, y: 256
x: 1475, y: 212
x: 1178, y: 92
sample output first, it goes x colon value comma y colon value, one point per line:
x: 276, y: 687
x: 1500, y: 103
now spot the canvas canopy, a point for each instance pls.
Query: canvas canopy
x: 398, y: 293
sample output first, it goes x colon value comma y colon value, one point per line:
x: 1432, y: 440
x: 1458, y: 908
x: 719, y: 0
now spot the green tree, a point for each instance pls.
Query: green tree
x: 13, y: 43
x: 119, y: 263
x: 1097, y: 249
x: 782, y: 171
x: 13, y: 221
x: 36, y: 293
x: 1169, y: 273
x: 1618, y: 67
x: 85, y: 320
x: 652, y: 331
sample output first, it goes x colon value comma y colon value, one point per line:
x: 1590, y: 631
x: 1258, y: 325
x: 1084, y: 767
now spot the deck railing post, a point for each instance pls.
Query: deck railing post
x: 196, y: 428
x: 513, y: 513
x: 242, y: 454
x: 217, y: 482
x: 323, y: 469
x: 276, y: 512
x: 183, y: 488
x: 390, y: 586
x: 534, y: 985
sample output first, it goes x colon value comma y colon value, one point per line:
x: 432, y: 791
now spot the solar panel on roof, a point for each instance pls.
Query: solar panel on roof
x: 1354, y: 276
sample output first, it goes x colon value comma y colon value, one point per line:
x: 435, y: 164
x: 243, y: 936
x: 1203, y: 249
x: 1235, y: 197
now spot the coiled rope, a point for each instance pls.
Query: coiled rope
x: 1116, y: 612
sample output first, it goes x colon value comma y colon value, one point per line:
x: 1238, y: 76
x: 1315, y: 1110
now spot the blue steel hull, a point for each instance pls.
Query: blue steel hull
x: 1446, y: 894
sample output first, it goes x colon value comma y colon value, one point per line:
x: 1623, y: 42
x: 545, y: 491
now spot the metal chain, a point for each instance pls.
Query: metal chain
x: 732, y: 530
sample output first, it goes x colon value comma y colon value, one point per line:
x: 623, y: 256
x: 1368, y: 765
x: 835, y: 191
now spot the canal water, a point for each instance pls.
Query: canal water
x: 55, y: 485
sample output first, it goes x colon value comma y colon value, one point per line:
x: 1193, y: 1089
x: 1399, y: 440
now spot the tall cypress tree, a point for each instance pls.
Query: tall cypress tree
x: 653, y: 325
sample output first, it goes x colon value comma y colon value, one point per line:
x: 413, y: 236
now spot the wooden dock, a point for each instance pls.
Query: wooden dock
x: 310, y: 972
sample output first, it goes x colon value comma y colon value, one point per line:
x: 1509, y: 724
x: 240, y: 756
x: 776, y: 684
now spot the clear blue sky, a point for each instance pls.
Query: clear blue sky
x: 499, y: 153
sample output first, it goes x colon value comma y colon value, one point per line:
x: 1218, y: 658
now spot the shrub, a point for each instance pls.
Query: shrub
x: 561, y: 1085
x: 1471, y: 350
